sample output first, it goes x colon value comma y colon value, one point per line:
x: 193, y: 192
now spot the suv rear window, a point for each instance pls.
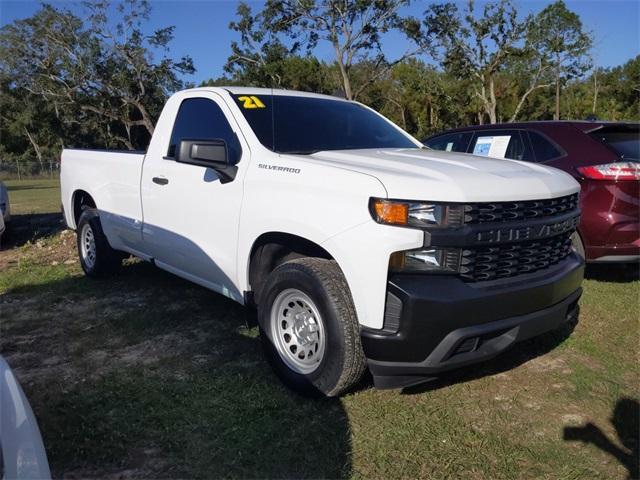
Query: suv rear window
x: 451, y: 142
x: 543, y: 149
x: 625, y: 141
x: 501, y: 144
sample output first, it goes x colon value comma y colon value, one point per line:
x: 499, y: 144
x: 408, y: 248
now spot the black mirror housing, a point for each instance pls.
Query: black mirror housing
x: 202, y: 152
x: 207, y: 153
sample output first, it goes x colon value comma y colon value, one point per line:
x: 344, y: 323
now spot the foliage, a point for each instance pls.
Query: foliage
x: 479, y: 47
x: 423, y: 100
x: 353, y: 29
x: 558, y: 35
x: 99, y: 78
x: 91, y: 81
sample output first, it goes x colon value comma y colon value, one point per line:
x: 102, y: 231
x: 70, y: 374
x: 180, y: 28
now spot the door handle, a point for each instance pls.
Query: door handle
x: 160, y: 180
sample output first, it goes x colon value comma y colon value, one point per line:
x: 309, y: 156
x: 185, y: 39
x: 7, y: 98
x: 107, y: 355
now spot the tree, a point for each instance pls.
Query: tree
x: 255, y: 59
x: 353, y: 28
x: 261, y: 60
x: 609, y: 93
x: 478, y: 47
x: 92, y: 72
x: 530, y: 70
x: 28, y: 129
x: 557, y: 32
x: 423, y: 100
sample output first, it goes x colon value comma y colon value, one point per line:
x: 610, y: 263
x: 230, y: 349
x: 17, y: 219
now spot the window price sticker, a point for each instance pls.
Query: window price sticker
x: 495, y: 146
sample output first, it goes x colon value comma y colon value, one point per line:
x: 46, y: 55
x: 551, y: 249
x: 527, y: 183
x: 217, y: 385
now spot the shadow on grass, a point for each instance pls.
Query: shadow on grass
x: 28, y: 186
x: 519, y: 354
x: 612, y: 272
x: 626, y: 421
x: 210, y: 409
x: 31, y: 228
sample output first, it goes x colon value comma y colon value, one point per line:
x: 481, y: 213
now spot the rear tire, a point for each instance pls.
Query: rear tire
x: 309, y: 329
x: 97, y: 258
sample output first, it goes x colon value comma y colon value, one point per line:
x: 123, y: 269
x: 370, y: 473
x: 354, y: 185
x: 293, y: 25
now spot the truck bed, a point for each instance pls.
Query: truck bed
x: 112, y: 178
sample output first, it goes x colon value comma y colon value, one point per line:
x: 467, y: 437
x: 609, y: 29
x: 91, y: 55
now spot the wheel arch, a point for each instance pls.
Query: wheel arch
x: 273, y: 248
x: 80, y: 200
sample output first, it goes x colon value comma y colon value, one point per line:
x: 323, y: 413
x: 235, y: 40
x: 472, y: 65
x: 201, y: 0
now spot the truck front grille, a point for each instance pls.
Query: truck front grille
x: 501, y: 261
x: 513, y: 211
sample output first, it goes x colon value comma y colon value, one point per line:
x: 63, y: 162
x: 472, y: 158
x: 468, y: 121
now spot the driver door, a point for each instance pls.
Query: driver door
x: 190, y: 218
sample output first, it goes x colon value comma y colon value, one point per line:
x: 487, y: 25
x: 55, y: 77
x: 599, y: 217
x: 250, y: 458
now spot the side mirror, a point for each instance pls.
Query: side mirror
x: 207, y: 153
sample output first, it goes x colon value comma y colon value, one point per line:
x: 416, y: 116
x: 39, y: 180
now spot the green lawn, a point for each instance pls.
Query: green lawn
x: 34, y: 195
x: 146, y: 375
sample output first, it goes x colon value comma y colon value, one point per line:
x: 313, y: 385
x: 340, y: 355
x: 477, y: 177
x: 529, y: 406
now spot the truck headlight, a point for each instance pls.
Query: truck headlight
x: 431, y: 260
x: 416, y: 214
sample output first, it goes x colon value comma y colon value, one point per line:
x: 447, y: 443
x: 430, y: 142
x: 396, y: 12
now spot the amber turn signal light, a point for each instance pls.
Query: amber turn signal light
x: 390, y: 212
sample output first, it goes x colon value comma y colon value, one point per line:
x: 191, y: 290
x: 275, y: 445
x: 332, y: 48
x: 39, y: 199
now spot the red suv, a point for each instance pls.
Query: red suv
x: 604, y: 157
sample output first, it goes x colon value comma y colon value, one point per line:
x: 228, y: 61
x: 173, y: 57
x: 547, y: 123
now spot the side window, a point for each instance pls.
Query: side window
x: 543, y: 149
x: 501, y: 144
x: 452, y: 142
x: 203, y: 119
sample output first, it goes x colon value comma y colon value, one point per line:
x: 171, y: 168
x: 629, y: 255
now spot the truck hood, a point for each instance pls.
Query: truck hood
x: 418, y: 174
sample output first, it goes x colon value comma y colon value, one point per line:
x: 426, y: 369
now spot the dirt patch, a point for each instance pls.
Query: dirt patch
x: 548, y: 363
x: 51, y: 249
x: 153, y: 350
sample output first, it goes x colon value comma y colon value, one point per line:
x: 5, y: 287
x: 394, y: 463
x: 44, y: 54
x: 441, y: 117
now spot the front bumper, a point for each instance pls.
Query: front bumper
x: 444, y: 323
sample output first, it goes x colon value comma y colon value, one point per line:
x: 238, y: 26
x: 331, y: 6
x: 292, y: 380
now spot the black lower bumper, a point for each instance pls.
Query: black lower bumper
x: 446, y: 323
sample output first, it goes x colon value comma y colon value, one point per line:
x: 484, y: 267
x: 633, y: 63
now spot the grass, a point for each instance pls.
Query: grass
x: 146, y: 375
x: 34, y: 195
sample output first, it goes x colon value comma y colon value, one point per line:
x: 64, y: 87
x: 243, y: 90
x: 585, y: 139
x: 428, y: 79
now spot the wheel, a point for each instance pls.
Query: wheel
x: 309, y: 329
x: 97, y: 258
x: 578, y: 246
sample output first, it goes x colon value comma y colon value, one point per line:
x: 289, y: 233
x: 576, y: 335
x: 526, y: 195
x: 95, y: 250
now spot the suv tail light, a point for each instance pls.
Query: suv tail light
x: 612, y: 171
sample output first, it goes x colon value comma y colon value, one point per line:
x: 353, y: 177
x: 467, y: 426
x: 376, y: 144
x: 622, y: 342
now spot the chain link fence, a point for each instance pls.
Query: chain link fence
x: 19, y: 169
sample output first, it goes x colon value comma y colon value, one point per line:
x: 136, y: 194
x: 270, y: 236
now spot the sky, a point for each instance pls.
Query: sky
x: 201, y: 28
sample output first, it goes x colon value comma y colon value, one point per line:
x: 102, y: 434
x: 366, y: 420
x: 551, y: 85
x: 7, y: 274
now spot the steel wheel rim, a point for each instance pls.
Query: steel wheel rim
x: 88, y: 246
x: 297, y: 331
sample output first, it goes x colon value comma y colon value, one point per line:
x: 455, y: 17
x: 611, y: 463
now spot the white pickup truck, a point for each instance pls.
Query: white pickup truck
x: 360, y: 247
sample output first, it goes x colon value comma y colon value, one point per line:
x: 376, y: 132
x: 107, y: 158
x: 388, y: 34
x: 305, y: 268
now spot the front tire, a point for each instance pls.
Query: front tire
x: 97, y: 258
x: 309, y: 329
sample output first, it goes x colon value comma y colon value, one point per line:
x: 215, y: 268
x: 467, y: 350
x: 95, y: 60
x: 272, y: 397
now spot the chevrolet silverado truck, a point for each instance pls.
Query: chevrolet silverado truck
x: 360, y: 248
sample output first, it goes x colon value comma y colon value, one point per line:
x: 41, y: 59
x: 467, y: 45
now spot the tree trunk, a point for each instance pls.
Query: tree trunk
x: 595, y: 91
x: 556, y: 116
x: 146, y: 118
x: 491, y: 105
x: 346, y: 82
x: 35, y: 147
x: 523, y: 99
x: 491, y: 112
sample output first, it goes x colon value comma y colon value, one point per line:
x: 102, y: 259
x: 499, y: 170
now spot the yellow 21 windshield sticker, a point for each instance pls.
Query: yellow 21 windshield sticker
x: 251, y: 102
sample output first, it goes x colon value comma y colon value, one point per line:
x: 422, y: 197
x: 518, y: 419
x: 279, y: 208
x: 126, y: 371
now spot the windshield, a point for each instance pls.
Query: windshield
x: 624, y: 141
x: 304, y: 125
